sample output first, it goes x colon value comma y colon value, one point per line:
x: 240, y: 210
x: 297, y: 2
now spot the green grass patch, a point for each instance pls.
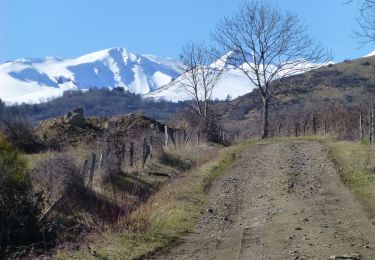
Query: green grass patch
x: 356, y: 163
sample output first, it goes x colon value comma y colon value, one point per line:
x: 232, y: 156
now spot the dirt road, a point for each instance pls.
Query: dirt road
x: 279, y: 201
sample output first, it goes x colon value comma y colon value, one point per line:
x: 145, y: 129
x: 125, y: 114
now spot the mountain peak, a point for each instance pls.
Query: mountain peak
x: 29, y: 80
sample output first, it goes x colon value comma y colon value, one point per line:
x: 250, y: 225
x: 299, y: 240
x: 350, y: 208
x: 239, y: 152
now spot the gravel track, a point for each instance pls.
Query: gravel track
x: 279, y: 201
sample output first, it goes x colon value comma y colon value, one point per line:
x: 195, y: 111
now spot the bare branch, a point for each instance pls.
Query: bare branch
x: 267, y: 45
x: 199, y: 74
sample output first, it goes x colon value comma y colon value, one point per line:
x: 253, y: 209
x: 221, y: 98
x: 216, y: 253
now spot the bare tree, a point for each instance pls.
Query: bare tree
x: 267, y: 45
x: 199, y: 77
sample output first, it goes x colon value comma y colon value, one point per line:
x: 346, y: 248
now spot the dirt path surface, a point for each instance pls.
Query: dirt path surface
x: 279, y: 201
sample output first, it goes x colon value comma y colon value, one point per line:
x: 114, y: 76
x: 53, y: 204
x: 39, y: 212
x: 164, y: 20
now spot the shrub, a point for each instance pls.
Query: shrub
x: 18, y: 209
x: 21, y: 134
x: 58, y: 175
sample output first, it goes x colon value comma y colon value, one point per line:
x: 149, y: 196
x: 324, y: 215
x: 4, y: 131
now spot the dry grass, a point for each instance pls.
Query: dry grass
x: 356, y: 162
x: 165, y: 217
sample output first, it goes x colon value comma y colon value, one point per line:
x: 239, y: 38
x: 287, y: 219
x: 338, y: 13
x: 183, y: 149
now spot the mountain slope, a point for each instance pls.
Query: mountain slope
x: 29, y: 80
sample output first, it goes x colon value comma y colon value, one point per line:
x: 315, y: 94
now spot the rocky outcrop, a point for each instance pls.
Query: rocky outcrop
x: 75, y: 118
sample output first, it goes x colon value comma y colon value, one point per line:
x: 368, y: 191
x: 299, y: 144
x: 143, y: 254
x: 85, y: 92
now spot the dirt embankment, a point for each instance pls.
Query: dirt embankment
x: 280, y: 201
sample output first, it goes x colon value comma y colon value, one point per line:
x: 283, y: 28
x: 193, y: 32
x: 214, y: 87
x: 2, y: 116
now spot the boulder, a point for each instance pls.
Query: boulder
x: 75, y: 118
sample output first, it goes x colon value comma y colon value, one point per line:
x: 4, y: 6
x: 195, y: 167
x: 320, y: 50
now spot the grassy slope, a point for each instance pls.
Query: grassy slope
x: 350, y: 83
x: 169, y: 214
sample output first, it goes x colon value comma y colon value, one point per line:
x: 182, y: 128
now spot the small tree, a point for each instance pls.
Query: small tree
x: 199, y: 76
x: 20, y: 133
x: 18, y: 211
x: 267, y: 45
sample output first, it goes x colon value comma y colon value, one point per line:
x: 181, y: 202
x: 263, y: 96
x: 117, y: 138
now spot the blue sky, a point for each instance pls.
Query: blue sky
x: 70, y: 28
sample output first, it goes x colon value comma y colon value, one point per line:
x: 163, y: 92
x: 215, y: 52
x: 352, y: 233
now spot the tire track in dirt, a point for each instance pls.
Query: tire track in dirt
x: 279, y: 201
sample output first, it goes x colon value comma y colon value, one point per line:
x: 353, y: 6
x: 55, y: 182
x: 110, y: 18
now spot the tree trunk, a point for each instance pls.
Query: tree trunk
x: 265, y: 123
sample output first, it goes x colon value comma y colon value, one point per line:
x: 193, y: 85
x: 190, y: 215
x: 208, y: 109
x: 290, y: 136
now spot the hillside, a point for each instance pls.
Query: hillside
x: 350, y: 84
x: 96, y: 102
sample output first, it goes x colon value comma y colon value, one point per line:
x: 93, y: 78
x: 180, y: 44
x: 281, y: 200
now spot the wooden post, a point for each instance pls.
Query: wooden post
x: 279, y: 129
x: 360, y: 128
x: 199, y: 137
x: 371, y: 126
x: 178, y: 138
x: 85, y: 168
x: 151, y: 144
x: 166, y: 135
x: 171, y: 135
x: 100, y: 162
x: 123, y: 153
x: 314, y: 124
x: 325, y: 127
x: 296, y: 129
x: 304, y: 126
x: 185, y: 136
x: 131, y: 154
x: 92, y: 171
x: 146, y: 151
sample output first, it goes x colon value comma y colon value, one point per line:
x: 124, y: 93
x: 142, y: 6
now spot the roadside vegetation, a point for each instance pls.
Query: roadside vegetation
x: 356, y: 165
x: 355, y: 162
x: 164, y: 218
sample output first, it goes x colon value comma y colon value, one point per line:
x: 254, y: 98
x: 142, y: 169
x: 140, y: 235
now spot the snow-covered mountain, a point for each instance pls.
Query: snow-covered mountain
x: 233, y: 81
x: 35, y: 80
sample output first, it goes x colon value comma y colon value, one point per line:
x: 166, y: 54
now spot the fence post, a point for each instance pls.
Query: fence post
x: 100, y: 162
x: 166, y: 135
x: 131, y: 154
x: 360, y: 128
x: 151, y: 144
x: 92, y: 171
x: 371, y: 126
x: 325, y: 127
x: 146, y: 151
x: 314, y: 124
x: 85, y: 168
x: 185, y: 136
x: 178, y: 138
x: 171, y: 135
x: 296, y: 129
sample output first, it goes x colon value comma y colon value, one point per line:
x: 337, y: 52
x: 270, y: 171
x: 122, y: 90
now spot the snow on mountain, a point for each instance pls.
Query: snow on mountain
x: 35, y: 80
x: 233, y: 82
x: 370, y: 54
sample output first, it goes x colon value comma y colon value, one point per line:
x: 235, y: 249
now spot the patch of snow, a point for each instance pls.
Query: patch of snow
x: 370, y: 54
